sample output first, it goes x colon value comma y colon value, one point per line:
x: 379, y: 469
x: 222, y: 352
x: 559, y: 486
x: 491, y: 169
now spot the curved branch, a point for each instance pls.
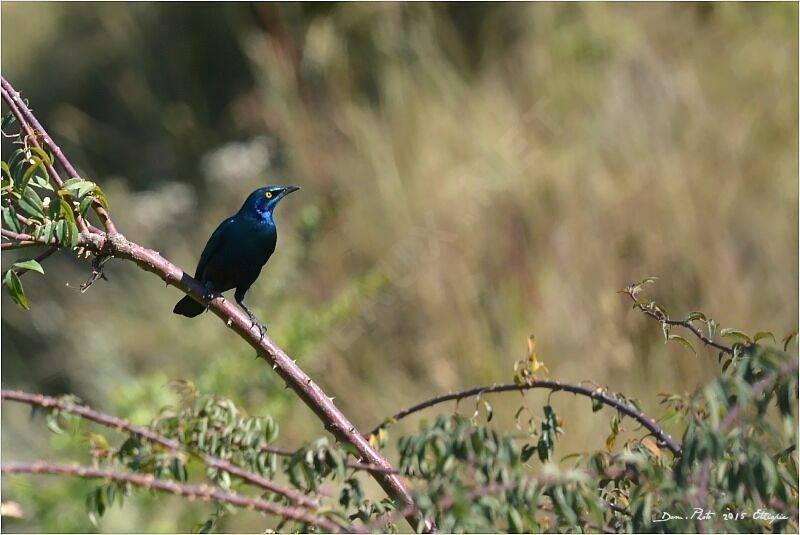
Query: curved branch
x: 119, y: 424
x: 189, y: 491
x: 648, y: 423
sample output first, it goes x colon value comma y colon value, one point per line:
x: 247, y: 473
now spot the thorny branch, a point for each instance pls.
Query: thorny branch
x: 648, y: 423
x: 201, y: 492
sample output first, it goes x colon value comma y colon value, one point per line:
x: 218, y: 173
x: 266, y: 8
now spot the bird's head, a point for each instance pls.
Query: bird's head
x: 263, y: 201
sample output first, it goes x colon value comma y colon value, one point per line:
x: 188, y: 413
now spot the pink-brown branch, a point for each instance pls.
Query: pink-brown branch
x: 201, y: 492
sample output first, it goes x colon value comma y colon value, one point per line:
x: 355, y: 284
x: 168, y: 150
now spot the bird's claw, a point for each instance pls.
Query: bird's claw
x: 262, y: 329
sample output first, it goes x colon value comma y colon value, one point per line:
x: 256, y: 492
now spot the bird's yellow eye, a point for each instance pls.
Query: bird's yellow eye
x: 268, y: 195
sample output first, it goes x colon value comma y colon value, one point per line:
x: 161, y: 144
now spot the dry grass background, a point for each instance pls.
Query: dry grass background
x: 460, y: 192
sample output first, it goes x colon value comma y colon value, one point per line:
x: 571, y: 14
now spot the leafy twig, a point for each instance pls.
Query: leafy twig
x: 659, y: 315
x: 33, y: 131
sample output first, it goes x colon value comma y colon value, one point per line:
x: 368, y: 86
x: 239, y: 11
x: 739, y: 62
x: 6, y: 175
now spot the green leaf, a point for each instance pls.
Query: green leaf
x: 111, y: 493
x: 85, y: 188
x: 760, y: 335
x: 61, y: 231
x: 175, y: 469
x: 10, y: 219
x: 53, y: 209
x: 42, y: 155
x: 48, y: 231
x: 712, y: 327
x: 489, y: 411
x: 683, y: 341
x: 36, y: 165
x: 101, y: 197
x: 86, y: 202
x: 205, y: 527
x: 734, y: 333
x: 42, y: 182
x: 74, y: 235
x: 527, y: 452
x: 30, y: 265
x: 73, y: 183
x: 66, y: 211
x: 788, y: 339
x: 52, y: 423
x: 696, y: 316
x: 515, y: 524
x: 7, y: 170
x: 31, y: 203
x: 14, y: 288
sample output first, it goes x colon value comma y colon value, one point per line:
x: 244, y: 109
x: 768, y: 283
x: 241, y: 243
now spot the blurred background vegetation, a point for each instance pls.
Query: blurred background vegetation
x: 471, y: 174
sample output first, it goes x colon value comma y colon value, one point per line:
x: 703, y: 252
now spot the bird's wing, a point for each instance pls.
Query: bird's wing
x: 213, y: 245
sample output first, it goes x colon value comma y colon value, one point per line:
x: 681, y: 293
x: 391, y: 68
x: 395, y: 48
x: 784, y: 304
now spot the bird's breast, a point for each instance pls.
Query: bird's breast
x: 245, y: 251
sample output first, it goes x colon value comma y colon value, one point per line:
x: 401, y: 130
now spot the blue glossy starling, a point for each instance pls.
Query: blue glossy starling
x: 237, y: 250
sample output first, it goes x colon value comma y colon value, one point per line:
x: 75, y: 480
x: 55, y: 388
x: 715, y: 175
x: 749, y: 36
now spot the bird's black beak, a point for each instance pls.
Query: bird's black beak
x: 287, y: 190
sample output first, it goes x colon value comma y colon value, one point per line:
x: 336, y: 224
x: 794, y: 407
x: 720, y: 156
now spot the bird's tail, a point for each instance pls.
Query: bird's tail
x: 188, y: 307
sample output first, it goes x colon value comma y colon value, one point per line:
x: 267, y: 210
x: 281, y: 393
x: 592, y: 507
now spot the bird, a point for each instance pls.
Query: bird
x: 237, y: 250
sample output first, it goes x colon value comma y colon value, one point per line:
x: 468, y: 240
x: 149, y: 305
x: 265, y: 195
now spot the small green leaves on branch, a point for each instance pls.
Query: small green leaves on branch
x: 83, y: 192
x: 659, y: 313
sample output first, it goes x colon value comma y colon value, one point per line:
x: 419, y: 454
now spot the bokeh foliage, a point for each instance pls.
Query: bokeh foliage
x: 470, y: 175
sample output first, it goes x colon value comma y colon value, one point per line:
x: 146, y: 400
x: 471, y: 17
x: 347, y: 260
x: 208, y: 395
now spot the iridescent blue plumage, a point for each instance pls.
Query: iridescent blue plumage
x: 238, y: 249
